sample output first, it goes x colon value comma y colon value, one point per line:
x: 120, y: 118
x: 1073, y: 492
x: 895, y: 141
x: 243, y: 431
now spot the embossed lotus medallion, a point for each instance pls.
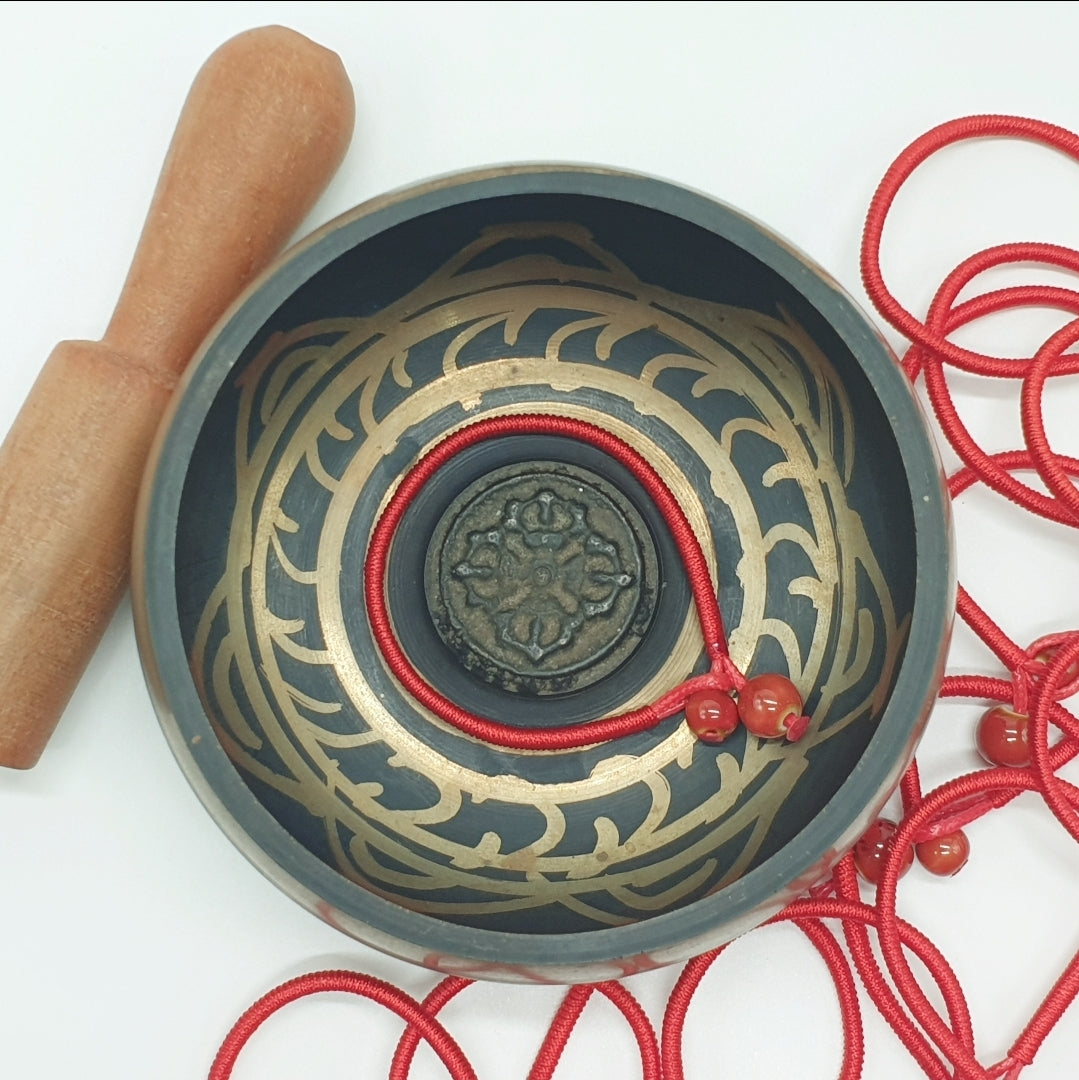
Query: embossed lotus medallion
x: 541, y: 574
x: 537, y: 573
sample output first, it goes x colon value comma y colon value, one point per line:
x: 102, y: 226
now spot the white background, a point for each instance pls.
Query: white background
x: 133, y: 932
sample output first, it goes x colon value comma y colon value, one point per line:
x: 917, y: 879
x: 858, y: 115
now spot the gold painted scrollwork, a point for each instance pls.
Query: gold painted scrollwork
x: 296, y: 709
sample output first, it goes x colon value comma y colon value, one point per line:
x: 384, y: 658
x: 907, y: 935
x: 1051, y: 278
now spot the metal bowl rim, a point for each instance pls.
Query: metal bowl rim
x: 569, y: 956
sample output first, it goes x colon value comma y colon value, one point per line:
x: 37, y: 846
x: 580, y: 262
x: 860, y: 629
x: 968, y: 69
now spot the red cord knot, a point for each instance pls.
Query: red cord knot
x: 797, y: 726
x: 1023, y: 679
x: 726, y: 669
x: 960, y: 812
x: 1041, y: 654
x: 1014, y: 1069
x: 1030, y: 676
x: 822, y: 890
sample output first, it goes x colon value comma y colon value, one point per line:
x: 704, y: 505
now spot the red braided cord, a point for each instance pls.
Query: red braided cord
x: 963, y: 800
x: 944, y: 303
x: 1057, y: 793
x: 954, y: 1047
x: 348, y: 982
x: 1049, y: 468
x: 723, y: 675
x: 559, y: 1031
x: 952, y: 426
x: 856, y: 914
x: 674, y: 1018
x: 421, y: 1018
x: 644, y: 1033
x: 1052, y: 1009
x: 910, y: 788
x: 802, y: 912
x: 443, y: 993
x: 979, y: 621
x: 569, y: 1012
x: 1013, y: 461
x: 970, y: 127
x: 847, y: 991
x: 857, y: 938
x: 681, y: 997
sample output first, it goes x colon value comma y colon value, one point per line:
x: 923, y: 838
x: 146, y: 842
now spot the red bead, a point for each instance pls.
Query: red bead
x: 1004, y: 737
x: 771, y: 707
x: 871, y: 851
x: 1071, y: 672
x: 712, y: 715
x: 946, y: 855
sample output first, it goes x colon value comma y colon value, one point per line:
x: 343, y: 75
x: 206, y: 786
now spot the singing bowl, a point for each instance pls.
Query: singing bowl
x: 532, y: 579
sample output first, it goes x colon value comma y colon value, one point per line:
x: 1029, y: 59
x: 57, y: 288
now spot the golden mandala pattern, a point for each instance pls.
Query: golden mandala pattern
x: 324, y: 407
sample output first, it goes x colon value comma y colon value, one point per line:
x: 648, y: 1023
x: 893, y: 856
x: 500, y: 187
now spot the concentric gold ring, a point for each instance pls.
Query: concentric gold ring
x: 305, y: 392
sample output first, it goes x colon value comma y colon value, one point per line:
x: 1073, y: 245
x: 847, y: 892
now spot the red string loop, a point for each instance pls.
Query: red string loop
x: 681, y: 997
x: 347, y: 982
x: 722, y: 676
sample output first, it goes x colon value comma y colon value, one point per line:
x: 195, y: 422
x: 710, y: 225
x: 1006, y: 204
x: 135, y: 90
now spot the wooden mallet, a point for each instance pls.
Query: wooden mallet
x: 267, y: 121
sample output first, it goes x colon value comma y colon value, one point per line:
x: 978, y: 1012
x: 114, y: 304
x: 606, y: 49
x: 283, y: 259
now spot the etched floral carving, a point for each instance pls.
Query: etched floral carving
x: 542, y: 573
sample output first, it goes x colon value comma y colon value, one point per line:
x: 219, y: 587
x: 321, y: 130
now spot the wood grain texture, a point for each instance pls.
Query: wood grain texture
x: 265, y: 125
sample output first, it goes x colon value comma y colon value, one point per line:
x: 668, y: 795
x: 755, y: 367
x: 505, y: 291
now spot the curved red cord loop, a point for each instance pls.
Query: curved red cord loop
x: 1048, y: 362
x: 421, y: 1018
x: 723, y: 676
x: 347, y: 982
x: 1044, y: 674
x: 944, y: 135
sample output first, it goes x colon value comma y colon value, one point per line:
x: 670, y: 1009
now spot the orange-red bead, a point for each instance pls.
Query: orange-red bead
x: 1004, y: 737
x: 872, y: 850
x: 771, y: 707
x: 711, y: 715
x: 946, y: 855
x: 1071, y: 672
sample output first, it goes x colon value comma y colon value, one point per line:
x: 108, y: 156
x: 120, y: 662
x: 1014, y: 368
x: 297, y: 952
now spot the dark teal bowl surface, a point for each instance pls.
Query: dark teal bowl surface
x: 751, y: 382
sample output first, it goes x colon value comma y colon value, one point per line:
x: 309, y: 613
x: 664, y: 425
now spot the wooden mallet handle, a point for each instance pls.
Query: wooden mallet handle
x: 267, y: 122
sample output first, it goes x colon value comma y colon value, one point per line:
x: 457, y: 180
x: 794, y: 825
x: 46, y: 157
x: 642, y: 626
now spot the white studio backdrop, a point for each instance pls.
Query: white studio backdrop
x: 135, y: 932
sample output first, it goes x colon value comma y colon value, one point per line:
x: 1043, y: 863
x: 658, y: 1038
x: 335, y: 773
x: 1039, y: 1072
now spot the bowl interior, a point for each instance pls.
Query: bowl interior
x: 746, y: 386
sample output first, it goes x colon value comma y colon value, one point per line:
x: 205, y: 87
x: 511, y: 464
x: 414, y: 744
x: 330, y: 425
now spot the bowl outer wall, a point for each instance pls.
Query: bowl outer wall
x: 563, y: 958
